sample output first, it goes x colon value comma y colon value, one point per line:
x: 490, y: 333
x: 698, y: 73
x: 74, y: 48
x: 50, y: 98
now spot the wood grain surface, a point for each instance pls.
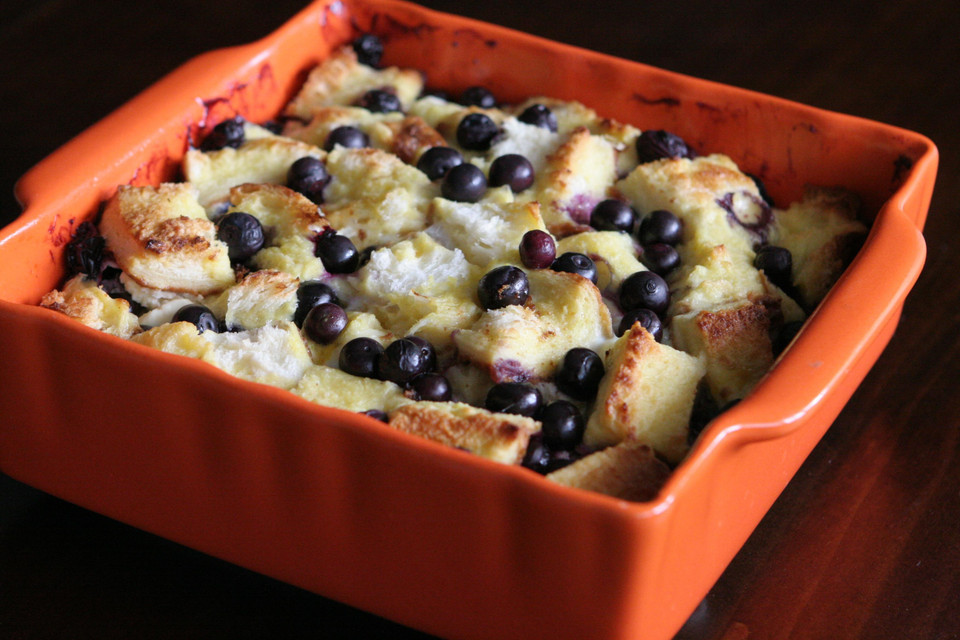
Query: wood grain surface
x: 865, y: 541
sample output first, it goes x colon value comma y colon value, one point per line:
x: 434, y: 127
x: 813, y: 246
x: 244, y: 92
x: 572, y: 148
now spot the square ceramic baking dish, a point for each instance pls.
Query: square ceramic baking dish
x: 340, y: 504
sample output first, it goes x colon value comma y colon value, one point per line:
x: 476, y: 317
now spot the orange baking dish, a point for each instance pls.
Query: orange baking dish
x: 342, y: 505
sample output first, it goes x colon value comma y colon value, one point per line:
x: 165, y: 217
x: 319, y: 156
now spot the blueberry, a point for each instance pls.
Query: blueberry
x: 432, y: 386
x: 537, y: 249
x: 380, y: 101
x: 360, y: 357
x: 401, y: 361
x: 476, y: 132
x: 502, y: 287
x: 511, y: 169
x: 376, y: 414
x: 660, y: 258
x: 647, y: 319
x: 563, y: 426
x: 613, y: 215
x: 437, y: 161
x: 514, y: 397
x: 577, y: 263
x: 479, y: 97
x: 325, y: 322
x: 346, y: 136
x: 660, y: 226
x: 537, y: 456
x: 242, y: 233
x: 464, y: 183
x: 228, y: 133
x: 654, y: 145
x: 776, y: 263
x: 308, y: 176
x: 310, y: 293
x: 85, y: 251
x: 337, y: 252
x: 539, y: 116
x: 429, y: 353
x: 644, y: 289
x: 580, y: 373
x: 369, y: 49
x: 198, y: 315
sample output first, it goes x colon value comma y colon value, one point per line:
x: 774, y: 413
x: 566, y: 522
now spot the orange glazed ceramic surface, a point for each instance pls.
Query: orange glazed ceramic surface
x: 342, y: 505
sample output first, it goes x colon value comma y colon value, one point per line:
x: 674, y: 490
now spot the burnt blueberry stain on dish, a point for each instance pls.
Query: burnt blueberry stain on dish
x: 666, y: 101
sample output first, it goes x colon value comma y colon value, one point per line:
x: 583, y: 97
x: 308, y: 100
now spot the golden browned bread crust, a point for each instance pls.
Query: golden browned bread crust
x: 629, y: 470
x: 499, y: 436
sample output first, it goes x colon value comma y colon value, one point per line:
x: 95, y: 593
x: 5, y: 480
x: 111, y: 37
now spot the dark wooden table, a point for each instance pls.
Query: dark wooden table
x: 864, y: 543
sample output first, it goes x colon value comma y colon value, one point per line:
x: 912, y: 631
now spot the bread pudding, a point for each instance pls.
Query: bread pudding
x: 532, y: 283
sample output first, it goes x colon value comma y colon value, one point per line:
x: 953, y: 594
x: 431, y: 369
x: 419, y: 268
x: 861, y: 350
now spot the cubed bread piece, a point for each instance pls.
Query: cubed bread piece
x: 342, y: 80
x: 260, y: 298
x: 501, y: 437
x: 573, y: 180
x: 265, y: 160
x: 528, y: 342
x: 733, y: 342
x: 437, y: 112
x: 530, y: 141
x: 614, y: 253
x: 419, y: 286
x: 571, y: 114
x: 374, y: 198
x: 720, y: 280
x: 487, y: 232
x: 709, y: 194
x: 629, y: 470
x: 823, y: 235
x: 325, y: 119
x: 179, y: 338
x: 85, y: 302
x: 161, y: 238
x: 291, y: 222
x: 332, y: 387
x: 647, y: 393
x: 273, y: 355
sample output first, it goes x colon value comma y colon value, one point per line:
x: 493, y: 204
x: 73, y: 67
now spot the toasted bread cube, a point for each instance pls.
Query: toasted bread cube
x: 647, y: 394
x: 332, y: 387
x: 162, y: 239
x: 734, y: 342
x: 85, y: 302
x: 342, y: 80
x: 534, y: 143
x: 419, y: 286
x: 822, y: 234
x: 574, y: 179
x: 272, y: 355
x: 374, y: 198
x: 614, y: 253
x: 694, y: 191
x: 260, y: 298
x: 487, y: 232
x: 720, y: 281
x: 629, y: 470
x: 501, y: 437
x: 519, y: 343
x: 261, y: 161
x: 290, y: 221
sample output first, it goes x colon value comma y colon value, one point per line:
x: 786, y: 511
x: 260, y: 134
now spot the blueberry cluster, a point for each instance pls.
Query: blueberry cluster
x: 410, y: 362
